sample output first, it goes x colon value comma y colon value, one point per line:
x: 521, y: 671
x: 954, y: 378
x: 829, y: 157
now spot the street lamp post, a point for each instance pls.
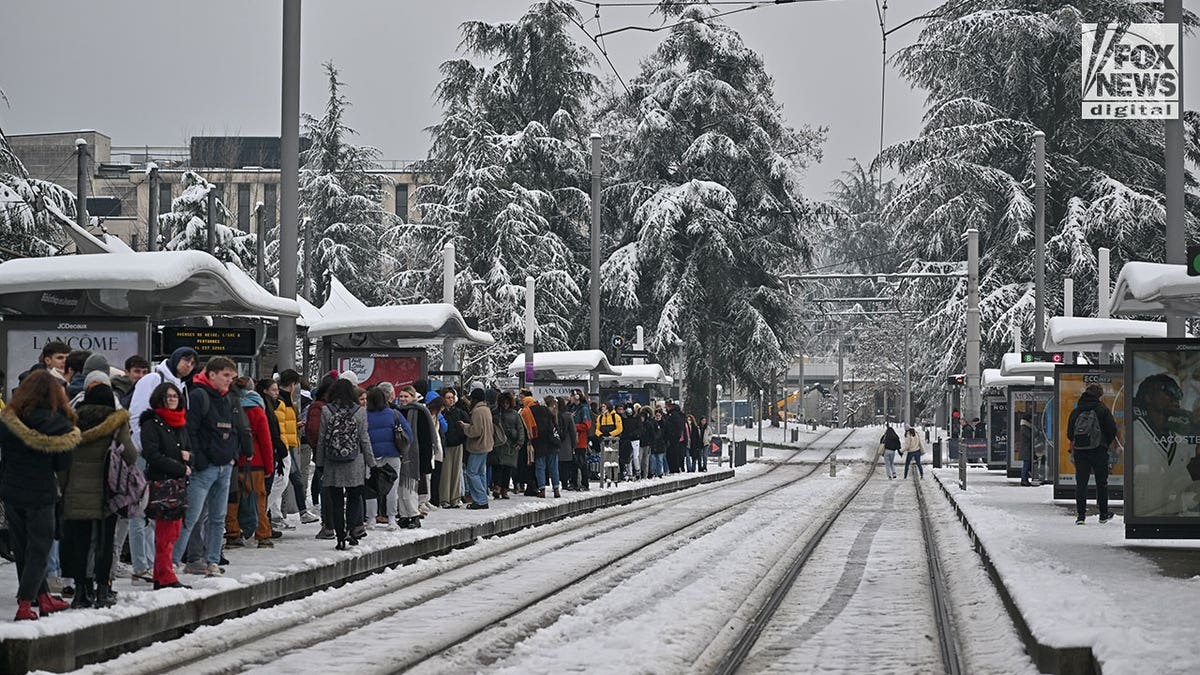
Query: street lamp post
x: 760, y: 409
x: 720, y: 430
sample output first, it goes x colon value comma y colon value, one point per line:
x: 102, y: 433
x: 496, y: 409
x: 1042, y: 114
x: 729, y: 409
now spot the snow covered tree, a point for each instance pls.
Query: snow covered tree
x: 341, y: 192
x: 187, y: 225
x: 996, y: 72
x: 509, y: 158
x: 706, y: 208
x: 854, y: 230
x: 26, y: 230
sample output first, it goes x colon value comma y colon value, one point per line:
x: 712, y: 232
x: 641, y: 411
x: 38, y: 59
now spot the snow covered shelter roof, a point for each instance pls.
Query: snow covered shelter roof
x: 569, y: 365
x: 1011, y: 364
x: 1089, y: 334
x: 993, y: 378
x: 402, y: 325
x: 1154, y: 288
x: 634, y: 376
x: 161, y: 284
x: 340, y: 300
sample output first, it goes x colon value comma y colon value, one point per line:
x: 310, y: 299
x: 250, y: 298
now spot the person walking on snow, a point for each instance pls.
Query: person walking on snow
x: 912, y: 451
x: 889, y: 443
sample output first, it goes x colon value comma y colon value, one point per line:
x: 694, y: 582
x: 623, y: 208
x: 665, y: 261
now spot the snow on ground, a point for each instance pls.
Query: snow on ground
x: 1087, y: 585
x: 296, y: 551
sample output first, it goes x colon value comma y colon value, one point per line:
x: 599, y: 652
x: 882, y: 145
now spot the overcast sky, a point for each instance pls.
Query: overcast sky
x: 156, y: 73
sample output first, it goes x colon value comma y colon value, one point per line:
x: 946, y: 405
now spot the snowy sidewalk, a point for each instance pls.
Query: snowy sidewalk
x: 298, y: 566
x: 1091, y: 600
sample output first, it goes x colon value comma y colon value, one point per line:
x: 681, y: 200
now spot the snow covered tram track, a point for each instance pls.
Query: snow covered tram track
x: 948, y: 638
x: 262, y: 636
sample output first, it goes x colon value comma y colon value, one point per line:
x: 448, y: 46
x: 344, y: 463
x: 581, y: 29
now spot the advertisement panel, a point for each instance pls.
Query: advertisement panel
x: 974, y: 448
x: 1028, y: 421
x: 22, y: 339
x: 400, y: 367
x: 997, y: 438
x: 561, y: 389
x: 1069, y: 383
x: 1162, y: 450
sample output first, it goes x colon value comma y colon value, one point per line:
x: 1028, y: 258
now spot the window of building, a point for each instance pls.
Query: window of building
x: 402, y: 200
x: 164, y: 198
x: 270, y: 194
x: 243, y: 208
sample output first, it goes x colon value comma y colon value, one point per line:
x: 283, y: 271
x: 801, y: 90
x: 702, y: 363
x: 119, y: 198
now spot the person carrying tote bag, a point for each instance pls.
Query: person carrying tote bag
x: 165, y: 448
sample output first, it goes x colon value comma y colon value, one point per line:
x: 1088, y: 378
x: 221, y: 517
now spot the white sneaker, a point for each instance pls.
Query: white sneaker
x: 55, y: 584
x: 142, y: 577
x: 282, y: 525
x: 306, y: 517
x: 214, y: 570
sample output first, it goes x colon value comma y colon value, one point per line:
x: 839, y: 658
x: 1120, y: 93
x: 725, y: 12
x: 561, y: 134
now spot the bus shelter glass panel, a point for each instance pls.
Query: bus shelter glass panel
x: 1162, y: 452
x: 1069, y: 384
x: 997, y: 417
x: 1029, y: 442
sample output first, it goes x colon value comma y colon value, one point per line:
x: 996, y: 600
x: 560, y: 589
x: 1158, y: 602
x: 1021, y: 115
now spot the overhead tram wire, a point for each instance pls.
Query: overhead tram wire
x: 667, y: 26
x: 602, y: 50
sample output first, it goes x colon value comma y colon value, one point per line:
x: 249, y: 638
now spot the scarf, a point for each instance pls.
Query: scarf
x: 173, y: 418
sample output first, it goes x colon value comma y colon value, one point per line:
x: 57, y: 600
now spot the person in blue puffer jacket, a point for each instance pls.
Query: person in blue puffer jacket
x: 382, y: 421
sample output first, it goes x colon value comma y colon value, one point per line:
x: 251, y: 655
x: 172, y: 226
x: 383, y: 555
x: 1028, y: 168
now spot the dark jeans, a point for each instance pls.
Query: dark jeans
x: 343, y: 505
x: 31, y: 529
x: 567, y: 470
x: 296, y: 480
x: 83, y: 537
x: 435, y: 479
x: 1026, y: 467
x: 501, y: 476
x: 911, y: 457
x: 581, y: 466
x: 1088, y: 462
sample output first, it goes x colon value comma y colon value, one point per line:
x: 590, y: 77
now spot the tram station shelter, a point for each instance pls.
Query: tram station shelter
x: 386, y: 343
x: 557, y: 373
x: 636, y: 383
x: 1090, y: 334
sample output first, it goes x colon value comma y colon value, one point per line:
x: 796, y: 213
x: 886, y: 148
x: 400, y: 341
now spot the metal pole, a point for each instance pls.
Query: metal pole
x: 841, y: 419
x: 594, y: 283
x: 800, y: 398
x: 786, y: 398
x: 289, y: 177
x: 1102, y: 279
x: 530, y: 326
x: 210, y: 234
x: 972, y: 366
x: 1176, y: 242
x: 1068, y: 310
x: 1039, y: 240
x: 733, y: 418
x: 719, y: 429
x: 760, y: 409
x: 449, y: 358
x: 152, y: 219
x: 907, y: 376
x: 260, y: 230
x: 81, y: 182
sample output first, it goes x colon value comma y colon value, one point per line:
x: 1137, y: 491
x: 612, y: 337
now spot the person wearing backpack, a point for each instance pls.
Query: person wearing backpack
x: 88, y: 526
x: 343, y: 453
x: 251, y: 473
x: 1091, y: 429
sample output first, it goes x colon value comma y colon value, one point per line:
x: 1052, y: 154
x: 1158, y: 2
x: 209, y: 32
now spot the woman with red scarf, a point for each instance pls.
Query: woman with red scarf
x: 165, y: 449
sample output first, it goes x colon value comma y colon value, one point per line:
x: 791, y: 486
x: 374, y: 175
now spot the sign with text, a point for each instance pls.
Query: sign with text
x: 1041, y: 357
x: 1162, y: 447
x: 1028, y: 441
x: 209, y: 341
x: 997, y: 437
x: 1130, y: 71
x: 22, y: 339
x: 1069, y: 384
x: 401, y: 367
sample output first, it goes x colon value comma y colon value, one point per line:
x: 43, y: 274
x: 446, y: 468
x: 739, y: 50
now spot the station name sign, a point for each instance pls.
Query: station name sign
x: 209, y: 341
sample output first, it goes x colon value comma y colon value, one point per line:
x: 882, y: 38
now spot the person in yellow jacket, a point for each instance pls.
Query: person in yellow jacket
x: 289, y: 433
x: 609, y: 425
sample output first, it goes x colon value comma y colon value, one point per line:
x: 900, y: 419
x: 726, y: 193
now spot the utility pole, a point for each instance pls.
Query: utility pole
x: 1068, y: 310
x: 1102, y: 276
x: 289, y: 177
x: 449, y: 360
x: 152, y: 220
x: 972, y: 365
x: 310, y: 291
x: 211, y: 229
x: 907, y: 374
x: 1176, y: 253
x: 530, y: 326
x: 800, y: 391
x: 760, y: 409
x: 81, y: 182
x: 260, y: 236
x: 594, y: 286
x: 841, y: 419
x: 1039, y: 238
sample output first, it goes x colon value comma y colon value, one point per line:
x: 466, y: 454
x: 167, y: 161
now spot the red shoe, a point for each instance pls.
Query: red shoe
x: 48, y: 604
x: 25, y: 612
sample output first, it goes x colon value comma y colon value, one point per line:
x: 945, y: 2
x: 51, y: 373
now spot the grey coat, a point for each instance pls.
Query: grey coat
x: 344, y: 474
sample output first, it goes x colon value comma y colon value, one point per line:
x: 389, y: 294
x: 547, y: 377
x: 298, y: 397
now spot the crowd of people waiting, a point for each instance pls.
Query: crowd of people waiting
x: 185, y: 460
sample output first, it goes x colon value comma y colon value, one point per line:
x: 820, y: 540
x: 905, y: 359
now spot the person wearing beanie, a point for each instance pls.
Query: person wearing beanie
x: 88, y: 530
x: 349, y: 375
x: 96, y: 362
x: 93, y: 379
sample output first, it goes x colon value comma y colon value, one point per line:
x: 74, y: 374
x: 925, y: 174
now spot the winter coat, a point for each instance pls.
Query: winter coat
x: 416, y: 420
x: 658, y: 441
x: 425, y: 433
x: 566, y: 445
x: 140, y: 402
x: 583, y: 424
x: 1108, y: 426
x: 912, y: 444
x: 285, y: 415
x: 260, y: 432
x: 162, y: 448
x: 312, y: 423
x: 890, y: 441
x: 381, y: 427
x: 217, y: 426
x: 83, y: 492
x: 480, y: 434
x: 673, y: 429
x: 648, y: 429
x: 506, y: 453
x: 122, y: 388
x: 279, y: 450
x: 455, y: 435
x: 33, y: 450
x: 696, y: 438
x: 1025, y: 452
x: 610, y: 424
x: 344, y: 474
x: 546, y: 444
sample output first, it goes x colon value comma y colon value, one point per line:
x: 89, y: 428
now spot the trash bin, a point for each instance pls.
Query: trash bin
x: 795, y: 435
x: 739, y: 453
x: 937, y: 454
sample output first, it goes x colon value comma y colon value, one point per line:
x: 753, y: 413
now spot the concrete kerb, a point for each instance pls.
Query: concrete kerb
x: 97, y: 642
x: 1059, y: 660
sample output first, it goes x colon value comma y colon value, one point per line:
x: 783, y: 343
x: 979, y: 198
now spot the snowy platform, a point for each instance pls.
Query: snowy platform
x: 299, y: 566
x: 1084, y: 598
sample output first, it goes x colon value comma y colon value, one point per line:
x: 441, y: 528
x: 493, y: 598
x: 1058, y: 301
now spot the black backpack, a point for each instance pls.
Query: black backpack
x: 342, y: 435
x: 1088, y: 435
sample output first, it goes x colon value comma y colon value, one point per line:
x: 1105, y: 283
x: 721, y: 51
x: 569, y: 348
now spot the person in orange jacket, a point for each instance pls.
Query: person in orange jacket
x: 252, y: 473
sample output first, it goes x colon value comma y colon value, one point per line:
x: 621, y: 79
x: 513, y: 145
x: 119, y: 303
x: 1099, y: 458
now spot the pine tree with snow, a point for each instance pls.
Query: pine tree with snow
x: 707, y: 207
x: 510, y: 162
x: 341, y: 192
x: 997, y: 71
x: 26, y: 230
x: 186, y: 226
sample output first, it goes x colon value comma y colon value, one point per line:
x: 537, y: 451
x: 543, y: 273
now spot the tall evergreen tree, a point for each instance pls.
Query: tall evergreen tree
x: 26, y: 230
x: 708, y: 207
x: 997, y: 71
x: 510, y: 165
x: 187, y: 225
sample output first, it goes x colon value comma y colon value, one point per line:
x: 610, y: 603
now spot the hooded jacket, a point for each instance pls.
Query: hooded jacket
x: 289, y: 427
x: 216, y: 424
x: 32, y: 452
x: 83, y: 492
x: 610, y: 424
x: 583, y: 424
x: 1108, y: 425
x: 260, y: 431
x: 480, y: 433
x: 546, y: 444
x: 140, y: 401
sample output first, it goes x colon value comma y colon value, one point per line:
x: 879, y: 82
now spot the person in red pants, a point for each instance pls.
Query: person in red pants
x: 165, y: 449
